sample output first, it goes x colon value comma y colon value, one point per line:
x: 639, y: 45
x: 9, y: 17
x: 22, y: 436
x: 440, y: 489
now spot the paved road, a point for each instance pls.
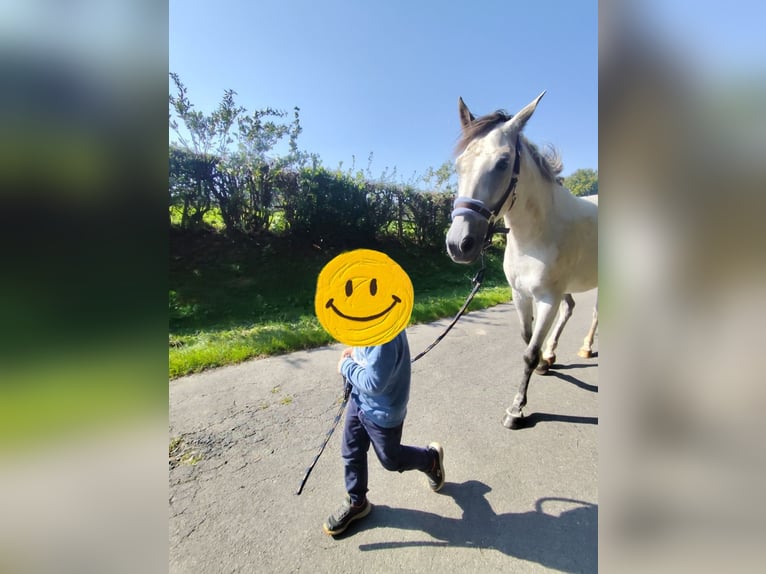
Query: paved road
x: 516, y: 501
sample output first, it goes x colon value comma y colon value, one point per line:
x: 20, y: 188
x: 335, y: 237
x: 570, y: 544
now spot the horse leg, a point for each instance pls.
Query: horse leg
x: 549, y: 351
x: 586, y: 351
x: 545, y: 312
x: 524, y: 305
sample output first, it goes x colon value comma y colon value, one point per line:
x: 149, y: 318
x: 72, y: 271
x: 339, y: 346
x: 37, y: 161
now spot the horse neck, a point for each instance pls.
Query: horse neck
x: 530, y: 216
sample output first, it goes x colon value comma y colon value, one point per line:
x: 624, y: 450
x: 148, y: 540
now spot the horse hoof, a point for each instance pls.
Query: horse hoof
x: 585, y: 353
x: 512, y: 422
x: 544, y: 366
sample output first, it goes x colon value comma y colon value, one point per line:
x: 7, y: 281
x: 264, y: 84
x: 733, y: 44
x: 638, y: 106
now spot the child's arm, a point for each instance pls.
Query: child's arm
x: 375, y: 377
x: 346, y: 354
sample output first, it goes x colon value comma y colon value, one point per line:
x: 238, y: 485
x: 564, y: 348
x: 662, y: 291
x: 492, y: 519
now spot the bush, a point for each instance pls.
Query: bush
x: 328, y: 208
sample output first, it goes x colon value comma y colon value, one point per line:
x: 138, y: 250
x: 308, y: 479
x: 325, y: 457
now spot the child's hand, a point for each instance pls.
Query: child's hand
x: 343, y: 356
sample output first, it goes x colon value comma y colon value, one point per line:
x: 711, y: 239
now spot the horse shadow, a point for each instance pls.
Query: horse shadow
x: 566, y: 367
x: 567, y: 542
x: 530, y: 420
x: 554, y: 372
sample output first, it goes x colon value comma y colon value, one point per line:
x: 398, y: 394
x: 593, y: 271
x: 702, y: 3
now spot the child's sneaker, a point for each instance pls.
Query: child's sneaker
x: 436, y: 474
x: 345, y: 515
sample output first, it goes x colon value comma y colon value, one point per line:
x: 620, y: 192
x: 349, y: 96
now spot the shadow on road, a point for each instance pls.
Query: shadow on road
x: 567, y: 542
x: 532, y: 419
x: 570, y: 379
x: 576, y: 365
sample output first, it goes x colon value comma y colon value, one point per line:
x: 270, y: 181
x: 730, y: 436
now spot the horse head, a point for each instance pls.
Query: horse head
x: 487, y: 166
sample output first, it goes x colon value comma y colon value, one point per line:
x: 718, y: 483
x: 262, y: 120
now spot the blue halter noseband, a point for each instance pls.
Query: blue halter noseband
x: 465, y: 205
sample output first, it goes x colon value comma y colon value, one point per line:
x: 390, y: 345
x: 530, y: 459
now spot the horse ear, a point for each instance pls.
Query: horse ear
x: 466, y: 117
x: 518, y: 121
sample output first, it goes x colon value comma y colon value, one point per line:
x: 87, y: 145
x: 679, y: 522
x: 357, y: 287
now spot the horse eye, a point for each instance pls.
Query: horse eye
x: 349, y: 288
x: 373, y: 287
x: 502, y: 164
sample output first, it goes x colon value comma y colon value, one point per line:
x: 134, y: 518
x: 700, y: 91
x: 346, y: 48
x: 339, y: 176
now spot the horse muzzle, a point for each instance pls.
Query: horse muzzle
x: 465, y: 238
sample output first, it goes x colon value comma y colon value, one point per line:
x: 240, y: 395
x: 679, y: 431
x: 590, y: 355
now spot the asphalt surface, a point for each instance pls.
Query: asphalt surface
x: 515, y: 500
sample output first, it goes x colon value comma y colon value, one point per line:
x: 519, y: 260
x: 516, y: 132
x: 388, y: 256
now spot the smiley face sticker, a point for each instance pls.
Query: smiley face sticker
x: 363, y: 298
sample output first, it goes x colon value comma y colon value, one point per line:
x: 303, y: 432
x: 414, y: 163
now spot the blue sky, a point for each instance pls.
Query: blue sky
x: 384, y: 77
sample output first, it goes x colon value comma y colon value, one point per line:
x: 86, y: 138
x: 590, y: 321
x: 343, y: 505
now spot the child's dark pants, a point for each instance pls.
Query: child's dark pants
x: 358, y: 432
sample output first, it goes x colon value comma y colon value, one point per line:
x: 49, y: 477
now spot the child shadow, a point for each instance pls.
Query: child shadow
x: 567, y: 542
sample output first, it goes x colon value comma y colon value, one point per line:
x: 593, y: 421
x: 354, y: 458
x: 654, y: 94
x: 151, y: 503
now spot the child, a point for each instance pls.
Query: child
x: 380, y: 380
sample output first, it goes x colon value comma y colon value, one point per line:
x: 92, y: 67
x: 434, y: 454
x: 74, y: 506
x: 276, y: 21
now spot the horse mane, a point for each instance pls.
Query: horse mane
x: 548, y: 161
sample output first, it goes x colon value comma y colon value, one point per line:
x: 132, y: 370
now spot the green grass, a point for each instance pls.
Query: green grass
x: 232, y: 300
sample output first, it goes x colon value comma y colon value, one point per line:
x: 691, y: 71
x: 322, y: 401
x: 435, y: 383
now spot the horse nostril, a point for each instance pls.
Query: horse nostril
x: 466, y: 244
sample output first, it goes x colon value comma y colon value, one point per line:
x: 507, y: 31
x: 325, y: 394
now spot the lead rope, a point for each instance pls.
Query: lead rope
x: 346, y: 393
x: 477, y: 280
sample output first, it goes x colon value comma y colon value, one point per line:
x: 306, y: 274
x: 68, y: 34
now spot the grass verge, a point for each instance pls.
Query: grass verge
x: 232, y: 300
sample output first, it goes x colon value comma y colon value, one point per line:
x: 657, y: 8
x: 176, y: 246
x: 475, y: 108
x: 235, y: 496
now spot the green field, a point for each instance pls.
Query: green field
x: 235, y: 299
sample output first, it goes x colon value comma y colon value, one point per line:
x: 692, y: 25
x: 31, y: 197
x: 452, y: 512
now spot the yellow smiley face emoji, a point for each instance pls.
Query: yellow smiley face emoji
x: 363, y: 298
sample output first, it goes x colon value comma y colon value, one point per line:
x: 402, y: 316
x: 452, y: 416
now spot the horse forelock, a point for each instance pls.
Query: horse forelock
x: 548, y: 161
x: 479, y: 128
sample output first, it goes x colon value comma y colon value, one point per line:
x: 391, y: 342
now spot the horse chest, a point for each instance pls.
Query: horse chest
x: 529, y: 271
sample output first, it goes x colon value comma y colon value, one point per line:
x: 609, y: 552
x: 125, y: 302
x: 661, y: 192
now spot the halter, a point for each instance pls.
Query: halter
x: 464, y: 205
